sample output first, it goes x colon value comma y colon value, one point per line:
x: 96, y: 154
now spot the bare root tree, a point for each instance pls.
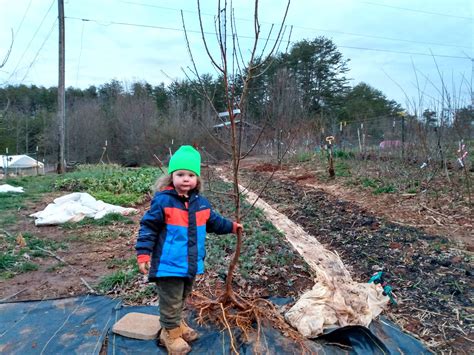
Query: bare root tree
x: 237, y: 71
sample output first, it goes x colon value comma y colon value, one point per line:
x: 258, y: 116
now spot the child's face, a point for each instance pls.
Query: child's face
x: 184, y: 181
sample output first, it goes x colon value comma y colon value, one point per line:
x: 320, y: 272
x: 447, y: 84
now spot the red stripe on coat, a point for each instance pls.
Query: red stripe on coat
x: 176, y: 217
x: 202, y: 217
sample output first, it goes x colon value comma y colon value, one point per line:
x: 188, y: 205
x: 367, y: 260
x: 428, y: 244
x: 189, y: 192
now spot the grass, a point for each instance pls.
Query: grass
x: 121, y: 278
x: 17, y: 254
x: 101, y: 235
x: 387, y: 189
x: 342, y: 169
x: 263, y: 245
x: 11, y: 203
x: 148, y: 292
x: 118, y: 279
x: 303, y: 156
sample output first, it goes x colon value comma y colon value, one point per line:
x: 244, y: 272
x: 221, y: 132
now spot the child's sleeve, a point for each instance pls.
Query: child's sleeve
x: 219, y: 225
x: 150, y: 227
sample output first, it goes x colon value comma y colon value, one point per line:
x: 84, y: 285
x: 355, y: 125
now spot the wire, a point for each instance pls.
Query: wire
x: 39, y: 50
x: 404, y: 52
x: 314, y: 29
x: 384, y: 38
x: 419, y: 11
x: 31, y: 41
x: 80, y: 54
x: 108, y: 23
x: 23, y: 19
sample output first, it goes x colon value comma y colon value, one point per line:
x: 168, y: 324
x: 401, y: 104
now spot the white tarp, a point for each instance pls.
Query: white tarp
x: 75, y: 207
x: 19, y: 162
x: 9, y: 188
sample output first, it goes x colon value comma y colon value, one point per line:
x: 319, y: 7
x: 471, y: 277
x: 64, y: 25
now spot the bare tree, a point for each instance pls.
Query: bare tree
x: 237, y: 72
x: 2, y: 64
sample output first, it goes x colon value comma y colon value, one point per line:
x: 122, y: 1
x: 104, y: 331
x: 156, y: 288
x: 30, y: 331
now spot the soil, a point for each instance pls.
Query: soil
x: 430, y: 274
x: 86, y: 258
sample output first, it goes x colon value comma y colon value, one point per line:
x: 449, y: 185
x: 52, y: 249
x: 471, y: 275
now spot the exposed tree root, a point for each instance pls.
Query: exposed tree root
x: 245, y: 314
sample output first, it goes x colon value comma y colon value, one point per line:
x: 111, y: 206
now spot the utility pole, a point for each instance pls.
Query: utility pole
x: 61, y: 91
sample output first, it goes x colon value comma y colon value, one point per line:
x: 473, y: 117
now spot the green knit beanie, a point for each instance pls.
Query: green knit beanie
x: 185, y: 158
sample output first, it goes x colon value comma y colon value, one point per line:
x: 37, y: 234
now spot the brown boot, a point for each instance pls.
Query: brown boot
x: 175, y: 344
x: 189, y: 334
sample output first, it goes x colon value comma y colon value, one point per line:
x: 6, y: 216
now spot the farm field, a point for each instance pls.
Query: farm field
x: 430, y: 274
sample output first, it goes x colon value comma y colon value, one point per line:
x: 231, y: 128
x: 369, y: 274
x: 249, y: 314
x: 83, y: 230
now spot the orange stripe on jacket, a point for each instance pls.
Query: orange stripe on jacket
x: 176, y: 217
x: 202, y: 217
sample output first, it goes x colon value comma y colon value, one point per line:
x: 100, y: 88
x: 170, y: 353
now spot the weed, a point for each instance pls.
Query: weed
x: 118, y: 279
x: 5, y: 275
x: 8, y: 218
x: 101, y: 234
x: 111, y: 183
x: 342, y: 169
x: 147, y: 292
x: 56, y: 267
x: 14, y: 259
x: 343, y: 154
x: 304, y: 156
x: 368, y: 182
x: 27, y: 266
x: 123, y: 199
x: 388, y: 189
x: 130, y: 262
x: 7, y: 261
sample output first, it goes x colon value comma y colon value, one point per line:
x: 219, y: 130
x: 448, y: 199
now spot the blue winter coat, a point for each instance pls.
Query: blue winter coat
x: 174, y: 234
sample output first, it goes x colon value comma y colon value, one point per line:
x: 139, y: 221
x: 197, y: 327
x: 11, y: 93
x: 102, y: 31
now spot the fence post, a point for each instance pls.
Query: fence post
x: 403, y: 136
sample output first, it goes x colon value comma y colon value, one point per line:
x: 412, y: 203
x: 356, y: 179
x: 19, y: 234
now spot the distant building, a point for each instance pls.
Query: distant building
x: 20, y: 165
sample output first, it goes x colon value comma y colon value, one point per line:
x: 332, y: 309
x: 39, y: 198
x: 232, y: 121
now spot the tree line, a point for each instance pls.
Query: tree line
x: 305, y: 87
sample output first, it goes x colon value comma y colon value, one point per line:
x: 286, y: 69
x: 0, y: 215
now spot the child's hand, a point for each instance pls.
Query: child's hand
x: 237, y: 228
x: 144, y: 267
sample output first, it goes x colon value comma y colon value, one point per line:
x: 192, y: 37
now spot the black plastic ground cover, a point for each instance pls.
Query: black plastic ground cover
x: 382, y: 337
x: 79, y: 325
x: 75, y: 325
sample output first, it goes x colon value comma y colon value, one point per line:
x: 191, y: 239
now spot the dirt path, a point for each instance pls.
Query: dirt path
x: 433, y: 280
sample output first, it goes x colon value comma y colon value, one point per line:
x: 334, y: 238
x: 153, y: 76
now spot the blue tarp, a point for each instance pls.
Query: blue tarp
x: 61, y: 326
x: 382, y: 337
x: 80, y: 324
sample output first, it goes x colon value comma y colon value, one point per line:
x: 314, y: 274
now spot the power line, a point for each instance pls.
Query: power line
x: 39, y: 50
x: 31, y: 41
x: 23, y: 19
x: 312, y: 29
x: 405, y: 52
x: 80, y: 54
x: 108, y: 23
x: 384, y: 38
x: 419, y: 11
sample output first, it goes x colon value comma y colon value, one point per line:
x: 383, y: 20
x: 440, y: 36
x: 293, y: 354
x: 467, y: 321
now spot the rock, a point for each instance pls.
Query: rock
x: 138, y: 326
x: 456, y: 259
x: 395, y: 245
x: 377, y: 268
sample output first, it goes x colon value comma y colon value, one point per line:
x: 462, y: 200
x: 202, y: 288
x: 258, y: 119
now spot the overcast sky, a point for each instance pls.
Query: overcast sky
x: 391, y: 44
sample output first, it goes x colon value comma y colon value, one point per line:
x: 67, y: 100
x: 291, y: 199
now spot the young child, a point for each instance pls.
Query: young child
x: 170, y: 245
